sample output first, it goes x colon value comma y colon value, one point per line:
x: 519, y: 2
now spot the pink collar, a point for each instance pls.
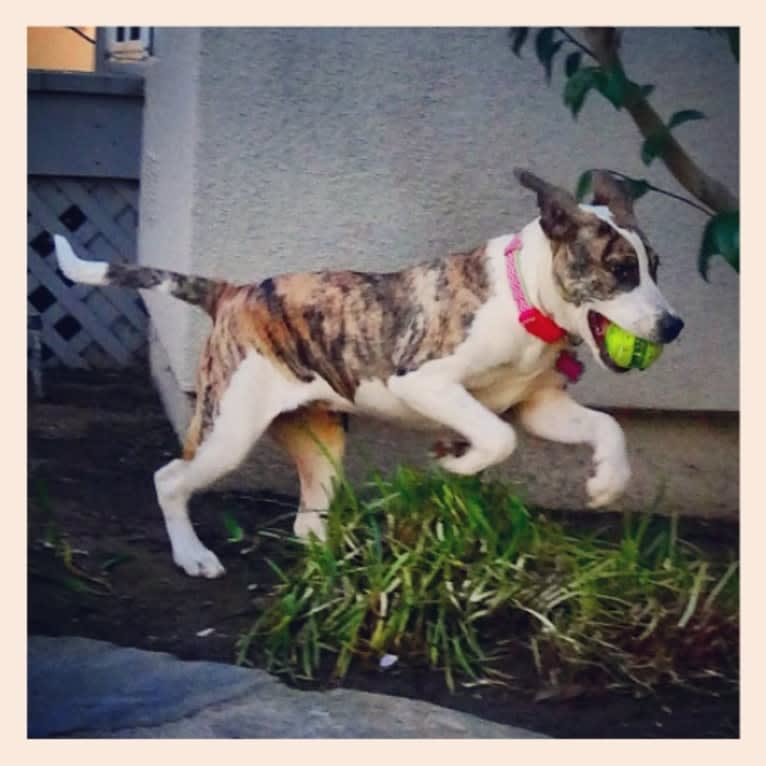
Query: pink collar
x: 532, y: 319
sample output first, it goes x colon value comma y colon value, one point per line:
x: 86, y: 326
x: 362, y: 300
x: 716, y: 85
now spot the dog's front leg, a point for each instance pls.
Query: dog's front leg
x: 491, y: 439
x: 551, y: 414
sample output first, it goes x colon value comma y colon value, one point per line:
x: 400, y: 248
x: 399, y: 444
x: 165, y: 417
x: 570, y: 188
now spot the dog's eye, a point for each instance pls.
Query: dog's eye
x: 624, y: 271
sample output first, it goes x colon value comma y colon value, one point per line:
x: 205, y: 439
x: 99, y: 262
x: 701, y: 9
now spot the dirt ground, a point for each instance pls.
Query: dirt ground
x: 93, y: 446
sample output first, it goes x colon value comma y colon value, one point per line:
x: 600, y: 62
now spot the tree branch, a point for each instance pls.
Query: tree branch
x: 667, y: 193
x: 572, y: 39
x: 605, y: 43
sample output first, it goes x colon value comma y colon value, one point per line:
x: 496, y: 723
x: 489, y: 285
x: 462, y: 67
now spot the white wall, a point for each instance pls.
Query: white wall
x: 169, y: 166
x: 277, y: 150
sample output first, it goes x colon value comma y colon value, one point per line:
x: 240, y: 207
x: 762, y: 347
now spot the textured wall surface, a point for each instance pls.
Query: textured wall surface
x: 169, y: 167
x: 277, y: 150
x: 268, y: 151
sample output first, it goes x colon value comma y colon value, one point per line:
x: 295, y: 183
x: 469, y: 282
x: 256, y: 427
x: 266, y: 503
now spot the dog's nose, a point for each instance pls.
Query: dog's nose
x: 670, y: 328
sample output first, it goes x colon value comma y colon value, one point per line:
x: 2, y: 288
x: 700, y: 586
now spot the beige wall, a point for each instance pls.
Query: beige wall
x: 60, y: 48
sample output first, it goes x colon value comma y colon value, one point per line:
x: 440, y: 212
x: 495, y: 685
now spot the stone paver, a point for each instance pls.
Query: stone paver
x: 83, y: 688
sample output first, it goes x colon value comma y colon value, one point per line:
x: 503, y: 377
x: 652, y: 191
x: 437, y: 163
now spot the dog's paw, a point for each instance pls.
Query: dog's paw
x: 475, y: 459
x: 198, y: 561
x: 454, y: 448
x: 468, y: 464
x: 466, y: 459
x: 308, y: 522
x: 188, y: 552
x: 609, y: 481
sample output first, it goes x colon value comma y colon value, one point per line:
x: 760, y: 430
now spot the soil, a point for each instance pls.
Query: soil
x: 94, y: 443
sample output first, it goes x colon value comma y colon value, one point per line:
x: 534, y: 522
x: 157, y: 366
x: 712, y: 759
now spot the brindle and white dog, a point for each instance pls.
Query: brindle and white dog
x: 436, y: 345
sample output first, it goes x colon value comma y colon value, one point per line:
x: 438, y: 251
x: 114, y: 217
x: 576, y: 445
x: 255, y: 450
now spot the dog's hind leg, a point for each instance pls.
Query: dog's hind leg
x: 315, y: 439
x: 225, y: 426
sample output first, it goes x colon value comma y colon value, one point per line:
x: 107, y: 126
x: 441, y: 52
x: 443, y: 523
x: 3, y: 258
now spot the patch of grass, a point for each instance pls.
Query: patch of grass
x: 457, y: 573
x: 68, y: 575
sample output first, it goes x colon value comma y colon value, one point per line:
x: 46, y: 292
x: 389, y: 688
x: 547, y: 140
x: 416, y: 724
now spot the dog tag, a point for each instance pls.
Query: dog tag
x: 570, y: 366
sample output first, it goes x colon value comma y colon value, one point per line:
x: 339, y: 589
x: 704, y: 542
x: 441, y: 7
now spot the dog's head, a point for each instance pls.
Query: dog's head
x: 603, y: 265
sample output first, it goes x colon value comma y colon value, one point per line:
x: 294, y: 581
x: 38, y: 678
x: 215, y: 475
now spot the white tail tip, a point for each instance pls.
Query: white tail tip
x: 77, y: 269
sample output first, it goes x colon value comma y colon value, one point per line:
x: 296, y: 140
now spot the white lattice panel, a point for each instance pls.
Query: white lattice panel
x: 84, y: 326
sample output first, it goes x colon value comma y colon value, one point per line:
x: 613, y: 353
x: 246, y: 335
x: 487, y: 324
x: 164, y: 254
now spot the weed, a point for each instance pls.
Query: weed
x: 457, y: 573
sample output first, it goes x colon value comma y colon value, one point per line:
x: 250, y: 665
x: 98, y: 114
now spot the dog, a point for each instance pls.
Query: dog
x: 452, y: 344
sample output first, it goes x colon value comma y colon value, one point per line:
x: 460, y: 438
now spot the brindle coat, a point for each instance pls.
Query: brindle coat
x: 341, y: 326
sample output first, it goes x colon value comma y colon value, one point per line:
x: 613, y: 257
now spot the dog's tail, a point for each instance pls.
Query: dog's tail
x: 195, y: 290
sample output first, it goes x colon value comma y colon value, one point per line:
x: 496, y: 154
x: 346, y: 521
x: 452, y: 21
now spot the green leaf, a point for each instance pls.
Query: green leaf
x: 115, y: 561
x: 518, y: 38
x: 577, y: 87
x: 654, y: 145
x: 584, y: 185
x: 614, y: 86
x: 233, y: 529
x: 730, y: 33
x: 685, y: 115
x: 543, y: 42
x: 721, y: 237
x: 546, y: 48
x: 572, y: 63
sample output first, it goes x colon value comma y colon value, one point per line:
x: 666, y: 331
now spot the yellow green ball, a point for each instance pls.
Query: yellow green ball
x: 628, y: 351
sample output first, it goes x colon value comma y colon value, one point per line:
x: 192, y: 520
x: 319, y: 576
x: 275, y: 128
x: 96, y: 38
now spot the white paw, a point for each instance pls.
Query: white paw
x: 468, y: 464
x: 470, y: 461
x: 308, y: 522
x: 609, y: 482
x: 198, y: 561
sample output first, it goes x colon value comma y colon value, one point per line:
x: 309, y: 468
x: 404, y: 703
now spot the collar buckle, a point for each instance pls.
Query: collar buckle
x: 541, y: 326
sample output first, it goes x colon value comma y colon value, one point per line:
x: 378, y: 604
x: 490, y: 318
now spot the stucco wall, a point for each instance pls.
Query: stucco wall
x: 169, y: 168
x: 276, y: 150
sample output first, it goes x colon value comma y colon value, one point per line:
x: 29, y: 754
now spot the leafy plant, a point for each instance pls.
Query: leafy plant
x: 721, y: 237
x: 456, y: 573
x: 73, y: 578
x: 605, y: 74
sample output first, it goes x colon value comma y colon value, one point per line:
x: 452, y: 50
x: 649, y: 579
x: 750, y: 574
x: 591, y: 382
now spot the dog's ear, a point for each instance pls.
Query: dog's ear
x: 610, y: 191
x: 560, y: 214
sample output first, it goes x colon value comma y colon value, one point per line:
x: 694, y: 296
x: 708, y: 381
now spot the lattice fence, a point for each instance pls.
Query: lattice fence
x: 83, y: 326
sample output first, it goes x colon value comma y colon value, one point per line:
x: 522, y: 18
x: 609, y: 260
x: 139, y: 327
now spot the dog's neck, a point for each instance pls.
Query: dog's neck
x: 537, y: 270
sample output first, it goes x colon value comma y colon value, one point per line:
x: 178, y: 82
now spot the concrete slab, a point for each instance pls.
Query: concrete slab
x: 81, y: 688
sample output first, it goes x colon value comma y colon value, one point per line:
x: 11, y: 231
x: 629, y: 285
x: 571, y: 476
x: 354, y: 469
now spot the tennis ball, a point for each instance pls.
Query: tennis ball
x: 628, y: 351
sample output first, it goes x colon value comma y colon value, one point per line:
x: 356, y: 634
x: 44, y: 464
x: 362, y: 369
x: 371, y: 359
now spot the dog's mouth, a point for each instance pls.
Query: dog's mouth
x: 598, y: 324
